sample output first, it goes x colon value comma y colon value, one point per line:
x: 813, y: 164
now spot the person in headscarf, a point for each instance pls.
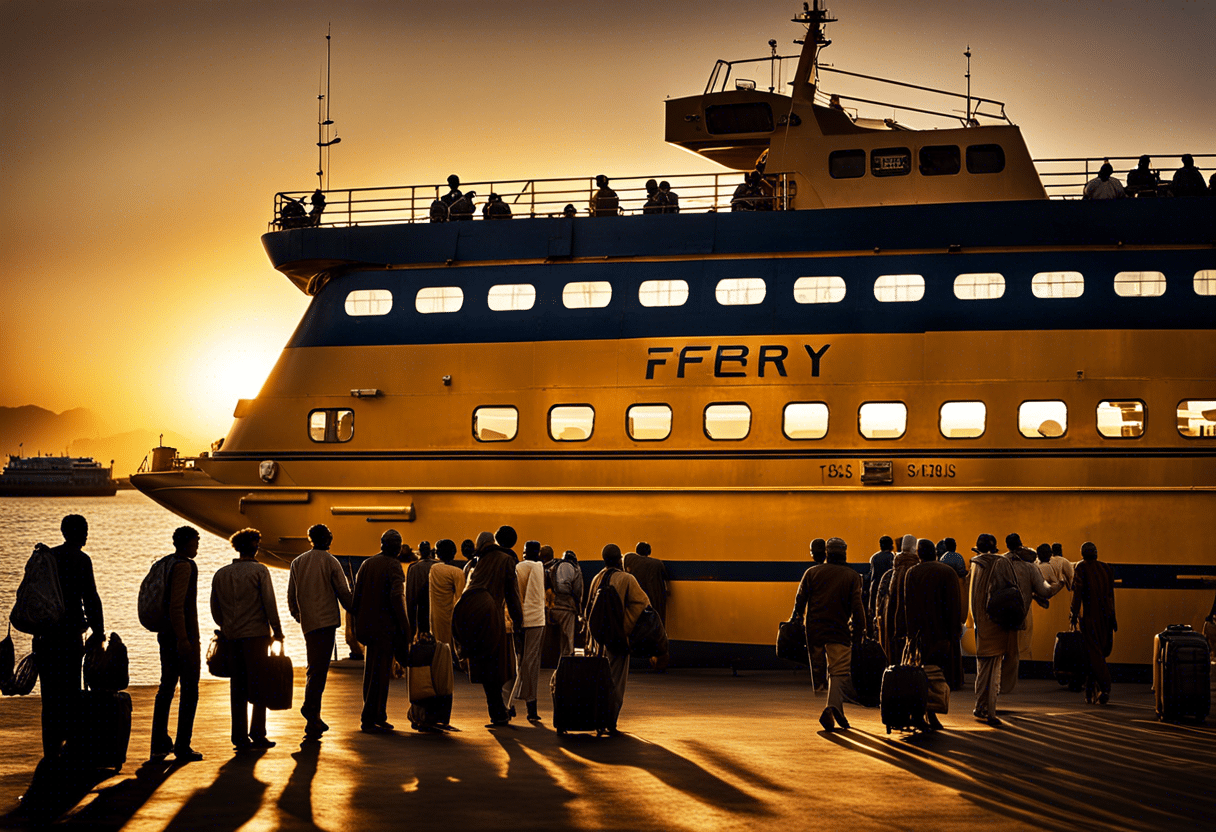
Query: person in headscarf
x: 905, y: 560
x: 1093, y: 608
x: 445, y: 585
x: 930, y: 607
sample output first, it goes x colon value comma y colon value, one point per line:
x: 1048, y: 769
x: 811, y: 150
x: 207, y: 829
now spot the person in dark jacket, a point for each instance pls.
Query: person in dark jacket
x: 59, y: 651
x: 1141, y: 180
x: 931, y: 619
x: 654, y: 202
x: 670, y: 199
x: 380, y: 618
x: 478, y: 623
x: 905, y: 560
x: 418, y: 588
x: 880, y: 562
x: 652, y: 577
x: 1188, y: 181
x: 829, y: 596
x: 1093, y: 606
x: 816, y: 654
x: 453, y: 193
x: 462, y: 209
x: 179, y: 652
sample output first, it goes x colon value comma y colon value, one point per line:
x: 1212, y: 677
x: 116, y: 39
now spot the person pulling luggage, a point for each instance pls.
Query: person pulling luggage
x: 614, y: 580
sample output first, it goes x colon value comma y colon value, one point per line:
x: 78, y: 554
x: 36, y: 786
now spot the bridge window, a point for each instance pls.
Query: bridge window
x: 1043, y: 419
x: 1121, y: 419
x: 648, y: 422
x: 891, y: 161
x: 899, y: 288
x: 331, y: 425
x: 728, y: 421
x: 663, y: 292
x: 846, y: 164
x: 369, y: 302
x: 432, y: 299
x: 571, y: 422
x: 985, y: 158
x: 1139, y: 284
x: 1197, y: 418
x: 979, y: 286
x: 1058, y: 285
x: 819, y: 289
x: 963, y: 420
x: 740, y: 291
x: 940, y: 160
x: 587, y: 294
x: 882, y: 420
x: 495, y: 423
x: 511, y: 297
x: 727, y: 119
x: 805, y: 420
x: 1205, y: 282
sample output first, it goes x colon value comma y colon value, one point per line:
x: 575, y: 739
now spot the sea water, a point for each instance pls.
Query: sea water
x: 127, y: 533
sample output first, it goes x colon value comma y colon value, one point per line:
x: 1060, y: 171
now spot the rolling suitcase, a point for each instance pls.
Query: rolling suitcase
x: 1069, y: 661
x: 583, y: 695
x: 904, y: 696
x: 103, y: 730
x: 869, y: 662
x: 1181, y: 674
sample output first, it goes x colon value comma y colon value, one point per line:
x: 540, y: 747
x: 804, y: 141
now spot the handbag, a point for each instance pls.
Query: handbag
x: 270, y: 680
x: 24, y: 676
x: 107, y: 666
x: 219, y: 656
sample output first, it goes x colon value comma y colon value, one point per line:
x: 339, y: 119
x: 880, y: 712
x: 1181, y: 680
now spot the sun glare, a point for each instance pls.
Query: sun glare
x: 224, y: 373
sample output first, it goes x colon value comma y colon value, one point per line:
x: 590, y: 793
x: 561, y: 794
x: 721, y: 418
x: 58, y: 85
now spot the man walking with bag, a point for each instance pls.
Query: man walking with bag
x: 179, y: 651
x: 380, y: 617
x: 931, y: 613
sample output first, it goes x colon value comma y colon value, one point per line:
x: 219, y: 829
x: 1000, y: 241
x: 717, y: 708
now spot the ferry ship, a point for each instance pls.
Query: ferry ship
x: 903, y: 333
x: 56, y: 476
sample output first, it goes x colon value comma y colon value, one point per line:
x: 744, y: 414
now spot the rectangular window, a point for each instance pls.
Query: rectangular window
x: 979, y: 286
x: 891, y: 161
x: 1197, y: 418
x: 495, y: 423
x: 985, y: 158
x: 819, y: 289
x: 728, y: 119
x: 846, y: 164
x: 571, y: 422
x: 1058, y: 285
x: 663, y: 292
x: 882, y: 420
x: 728, y: 421
x: 587, y: 294
x: 1043, y: 419
x: 511, y: 297
x: 369, y: 302
x: 740, y: 291
x: 432, y: 299
x: 648, y: 422
x: 963, y: 420
x: 1121, y: 419
x: 940, y: 160
x: 331, y: 425
x: 1139, y: 284
x: 1205, y: 282
x: 805, y: 420
x: 899, y: 288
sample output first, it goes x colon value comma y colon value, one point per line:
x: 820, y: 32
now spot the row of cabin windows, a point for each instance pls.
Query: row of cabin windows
x: 749, y: 291
x: 1037, y: 419
x: 934, y: 160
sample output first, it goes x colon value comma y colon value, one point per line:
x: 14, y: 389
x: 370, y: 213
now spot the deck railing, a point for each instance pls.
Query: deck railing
x: 1065, y: 178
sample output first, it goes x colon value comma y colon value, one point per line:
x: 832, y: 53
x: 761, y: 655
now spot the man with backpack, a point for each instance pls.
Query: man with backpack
x: 178, y: 638
x: 567, y: 580
x: 616, y: 601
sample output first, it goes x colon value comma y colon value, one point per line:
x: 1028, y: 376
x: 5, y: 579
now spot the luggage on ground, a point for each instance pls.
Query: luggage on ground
x: 219, y: 656
x: 1070, y: 661
x: 39, y: 604
x: 106, y: 666
x: 1181, y: 674
x: 103, y: 730
x: 270, y: 680
x: 869, y: 662
x: 649, y: 637
x: 430, y: 684
x: 582, y: 695
x: 791, y: 642
x: 904, y: 696
x: 154, y: 595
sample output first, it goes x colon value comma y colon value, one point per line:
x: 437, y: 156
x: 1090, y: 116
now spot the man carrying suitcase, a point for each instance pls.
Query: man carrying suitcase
x: 1093, y: 605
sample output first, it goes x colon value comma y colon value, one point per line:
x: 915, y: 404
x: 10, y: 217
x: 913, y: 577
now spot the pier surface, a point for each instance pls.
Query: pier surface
x: 703, y: 750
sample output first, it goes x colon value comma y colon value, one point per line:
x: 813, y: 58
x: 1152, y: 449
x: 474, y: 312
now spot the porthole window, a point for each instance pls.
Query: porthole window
x: 511, y: 297
x: 433, y: 299
x: 846, y: 164
x: 805, y: 420
x: 740, y: 291
x: 899, y: 288
x: 819, y: 289
x: 587, y: 294
x: 1205, y: 282
x: 1121, y: 419
x: 1043, y: 419
x: 985, y: 158
x: 369, y: 302
x: 891, y: 161
x: 1139, y: 284
x: 331, y: 425
x: 571, y: 422
x: 663, y: 292
x: 963, y: 420
x: 495, y: 423
x: 1058, y: 285
x: 882, y: 420
x: 728, y: 421
x: 979, y: 286
x: 1197, y: 418
x: 940, y: 160
x: 648, y: 422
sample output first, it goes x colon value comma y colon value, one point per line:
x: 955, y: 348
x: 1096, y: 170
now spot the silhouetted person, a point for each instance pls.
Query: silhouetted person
x: 492, y: 585
x: 439, y: 211
x: 462, y: 209
x: 1104, y: 185
x: 453, y: 193
x: 530, y: 577
x: 243, y: 605
x: 446, y: 584
x: 829, y: 596
x: 993, y: 643
x: 816, y: 655
x: 931, y: 618
x: 496, y: 209
x: 904, y: 560
x: 567, y: 579
x: 670, y: 199
x: 654, y: 201
x: 316, y: 588
x: 604, y: 202
x: 380, y: 618
x: 947, y: 555
x: 59, y: 651
x: 880, y: 564
x: 744, y: 197
x: 418, y: 588
x: 292, y: 214
x: 318, y: 207
x: 634, y: 600
x: 469, y: 552
x: 652, y: 577
x: 1093, y: 606
x: 1188, y: 181
x: 1142, y: 180
x: 569, y: 212
x: 179, y: 651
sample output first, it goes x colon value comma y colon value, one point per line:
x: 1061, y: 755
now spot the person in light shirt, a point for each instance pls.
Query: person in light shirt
x: 1104, y: 186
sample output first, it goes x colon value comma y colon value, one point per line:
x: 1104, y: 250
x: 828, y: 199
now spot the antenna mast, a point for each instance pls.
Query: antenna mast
x: 324, y: 122
x: 968, y: 54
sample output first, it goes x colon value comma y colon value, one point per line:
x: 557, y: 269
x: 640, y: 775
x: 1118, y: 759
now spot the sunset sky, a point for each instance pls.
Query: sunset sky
x: 143, y: 141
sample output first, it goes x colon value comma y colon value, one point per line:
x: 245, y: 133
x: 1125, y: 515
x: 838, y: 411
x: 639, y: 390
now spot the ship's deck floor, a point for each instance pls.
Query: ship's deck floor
x: 704, y: 750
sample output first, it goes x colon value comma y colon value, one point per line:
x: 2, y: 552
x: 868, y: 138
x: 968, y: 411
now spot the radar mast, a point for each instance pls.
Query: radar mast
x: 814, y: 16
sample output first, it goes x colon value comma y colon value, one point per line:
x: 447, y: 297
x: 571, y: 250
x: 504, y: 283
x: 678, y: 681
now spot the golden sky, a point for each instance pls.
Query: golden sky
x: 143, y: 142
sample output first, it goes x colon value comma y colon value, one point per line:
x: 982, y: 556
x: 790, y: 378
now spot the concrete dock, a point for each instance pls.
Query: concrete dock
x: 703, y: 750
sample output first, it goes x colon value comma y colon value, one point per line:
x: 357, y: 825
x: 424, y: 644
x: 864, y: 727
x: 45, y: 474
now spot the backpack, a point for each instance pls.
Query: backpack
x: 606, y: 621
x: 563, y: 579
x: 154, y: 595
x: 39, y: 605
x: 1004, y: 605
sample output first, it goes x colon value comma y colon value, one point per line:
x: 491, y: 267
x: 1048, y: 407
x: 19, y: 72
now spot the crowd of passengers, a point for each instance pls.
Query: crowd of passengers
x: 1145, y: 182
x: 461, y: 206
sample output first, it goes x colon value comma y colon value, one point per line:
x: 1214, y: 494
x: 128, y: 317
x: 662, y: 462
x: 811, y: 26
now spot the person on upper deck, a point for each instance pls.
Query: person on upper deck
x: 670, y: 199
x: 318, y: 207
x: 496, y: 209
x: 654, y: 203
x: 569, y: 212
x: 604, y: 203
x: 453, y: 193
x: 462, y: 209
x: 744, y: 197
x: 1188, y: 181
x: 1104, y: 186
x: 1141, y: 180
x: 439, y: 211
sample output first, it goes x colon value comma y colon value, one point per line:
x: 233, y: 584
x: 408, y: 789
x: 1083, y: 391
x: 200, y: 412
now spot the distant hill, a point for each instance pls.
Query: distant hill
x: 79, y: 432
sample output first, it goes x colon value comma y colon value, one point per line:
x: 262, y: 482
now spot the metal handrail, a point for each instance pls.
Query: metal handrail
x: 1065, y: 177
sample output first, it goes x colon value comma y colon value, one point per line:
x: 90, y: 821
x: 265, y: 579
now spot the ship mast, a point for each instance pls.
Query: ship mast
x: 324, y: 123
x: 814, y: 16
